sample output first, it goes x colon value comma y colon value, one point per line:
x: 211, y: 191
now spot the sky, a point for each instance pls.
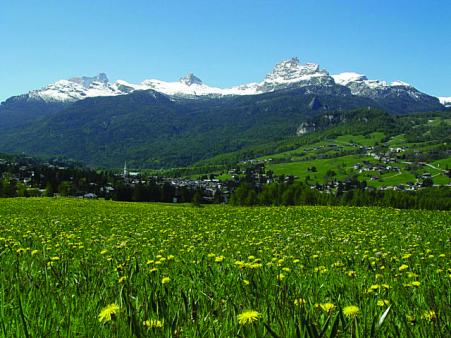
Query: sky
x: 225, y: 43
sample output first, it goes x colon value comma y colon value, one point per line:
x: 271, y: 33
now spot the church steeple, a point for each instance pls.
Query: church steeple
x: 125, y: 173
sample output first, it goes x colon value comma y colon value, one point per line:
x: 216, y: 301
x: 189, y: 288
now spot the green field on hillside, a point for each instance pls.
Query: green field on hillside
x: 107, y: 269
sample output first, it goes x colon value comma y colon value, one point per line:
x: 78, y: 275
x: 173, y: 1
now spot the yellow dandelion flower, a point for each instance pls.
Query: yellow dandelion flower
x: 108, y: 313
x: 246, y: 282
x: 326, y: 307
x: 416, y: 283
x: 280, y: 277
x: 403, y: 267
x: 300, y: 301
x: 351, y: 311
x: 153, y: 324
x: 34, y: 252
x: 429, y: 315
x: 383, y: 302
x: 122, y: 279
x: 248, y: 317
x: 351, y: 273
x: 219, y: 259
x: 165, y: 280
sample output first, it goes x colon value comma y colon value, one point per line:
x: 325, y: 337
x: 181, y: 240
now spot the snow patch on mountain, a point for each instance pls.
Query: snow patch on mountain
x: 446, y: 101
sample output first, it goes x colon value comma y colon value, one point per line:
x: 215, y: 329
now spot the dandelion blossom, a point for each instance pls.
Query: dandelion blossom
x: 153, y: 324
x: 327, y: 307
x: 165, y: 280
x: 403, y: 267
x: 383, y: 302
x: 429, y: 315
x: 351, y: 311
x: 300, y: 301
x: 108, y: 313
x: 248, y: 317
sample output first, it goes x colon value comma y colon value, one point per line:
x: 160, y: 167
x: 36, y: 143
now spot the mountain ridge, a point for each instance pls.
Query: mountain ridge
x: 286, y: 73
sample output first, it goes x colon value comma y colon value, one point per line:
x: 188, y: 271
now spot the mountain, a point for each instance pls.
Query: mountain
x: 164, y: 124
x: 19, y: 110
x: 446, y: 101
x: 398, y: 95
x: 150, y: 129
x: 288, y: 73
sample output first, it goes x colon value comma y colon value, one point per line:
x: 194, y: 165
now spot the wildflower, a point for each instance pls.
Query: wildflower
x: 280, y: 277
x: 351, y: 273
x: 153, y: 323
x: 351, y: 311
x: 246, y: 282
x: 326, y: 307
x: 383, y: 302
x: 248, y: 317
x: 240, y: 264
x: 219, y: 259
x: 108, y: 313
x: 122, y: 279
x: 165, y: 280
x: 153, y: 270
x: 416, y: 283
x: 34, y: 252
x: 300, y: 301
x: 429, y: 315
x: 403, y: 267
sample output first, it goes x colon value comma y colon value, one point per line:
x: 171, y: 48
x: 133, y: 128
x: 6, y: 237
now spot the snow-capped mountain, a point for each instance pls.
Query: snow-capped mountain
x: 75, y: 89
x: 360, y: 85
x: 286, y: 74
x: 446, y: 101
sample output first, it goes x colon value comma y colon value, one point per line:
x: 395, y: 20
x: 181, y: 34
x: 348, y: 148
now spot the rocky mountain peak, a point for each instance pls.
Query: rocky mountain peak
x: 190, y: 79
x: 292, y: 70
x: 86, y: 81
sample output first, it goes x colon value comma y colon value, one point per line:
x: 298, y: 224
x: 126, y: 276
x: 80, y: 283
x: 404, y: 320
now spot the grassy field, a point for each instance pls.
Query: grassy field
x: 106, y: 269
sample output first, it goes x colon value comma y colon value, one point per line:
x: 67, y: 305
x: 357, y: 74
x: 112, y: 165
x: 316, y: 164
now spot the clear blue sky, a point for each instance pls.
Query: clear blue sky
x: 225, y: 42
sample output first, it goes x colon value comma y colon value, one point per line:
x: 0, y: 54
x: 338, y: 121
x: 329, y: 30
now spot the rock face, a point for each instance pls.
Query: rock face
x: 191, y: 79
x: 315, y: 104
x: 305, y: 127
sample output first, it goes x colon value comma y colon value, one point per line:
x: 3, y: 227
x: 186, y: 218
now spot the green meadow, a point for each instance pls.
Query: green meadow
x: 108, y: 269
